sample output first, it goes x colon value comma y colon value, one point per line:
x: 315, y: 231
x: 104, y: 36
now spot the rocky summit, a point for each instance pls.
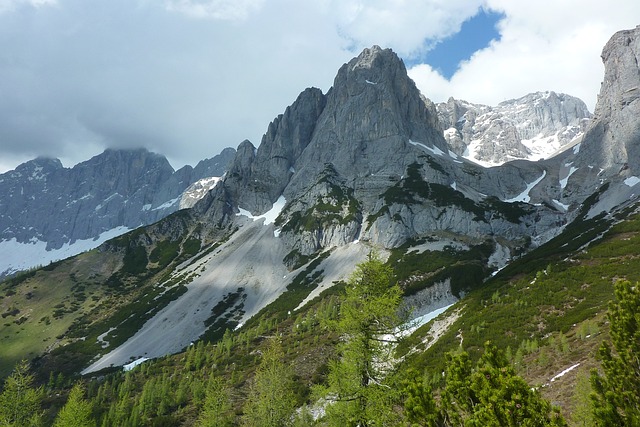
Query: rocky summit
x: 368, y: 162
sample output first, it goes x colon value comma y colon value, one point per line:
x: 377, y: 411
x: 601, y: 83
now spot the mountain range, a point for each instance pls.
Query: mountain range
x: 371, y: 164
x: 120, y: 190
x: 49, y: 212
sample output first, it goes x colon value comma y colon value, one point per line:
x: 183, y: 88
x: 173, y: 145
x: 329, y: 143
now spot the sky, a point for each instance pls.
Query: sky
x: 187, y: 78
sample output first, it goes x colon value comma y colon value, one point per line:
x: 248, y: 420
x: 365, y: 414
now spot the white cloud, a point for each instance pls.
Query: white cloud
x: 9, y: 5
x: 404, y: 25
x: 545, y: 45
x: 231, y: 10
x: 187, y: 78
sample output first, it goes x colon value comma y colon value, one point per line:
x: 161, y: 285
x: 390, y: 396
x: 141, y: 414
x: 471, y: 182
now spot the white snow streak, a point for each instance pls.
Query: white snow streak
x: 168, y: 204
x: 22, y: 256
x: 563, y: 182
x: 561, y: 205
x: 524, y: 196
x: 269, y: 216
x: 434, y: 150
x: 563, y: 373
x: 631, y: 181
x: 135, y: 363
x: 413, y: 325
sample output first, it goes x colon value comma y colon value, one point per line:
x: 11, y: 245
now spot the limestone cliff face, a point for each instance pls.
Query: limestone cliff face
x: 610, y: 147
x: 613, y: 140
x: 373, y: 109
x: 257, y: 177
x: 368, y: 161
x: 532, y: 127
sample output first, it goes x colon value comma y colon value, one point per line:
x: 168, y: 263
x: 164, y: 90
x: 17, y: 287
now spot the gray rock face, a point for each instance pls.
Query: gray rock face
x: 42, y: 200
x: 532, y: 127
x: 613, y: 140
x: 610, y: 147
x: 256, y: 178
x: 372, y: 111
x: 370, y: 162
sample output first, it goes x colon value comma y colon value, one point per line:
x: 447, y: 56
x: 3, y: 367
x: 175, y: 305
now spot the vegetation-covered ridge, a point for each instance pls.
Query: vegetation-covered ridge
x: 412, y: 189
x: 334, y: 205
x: 100, y: 298
x: 540, y: 321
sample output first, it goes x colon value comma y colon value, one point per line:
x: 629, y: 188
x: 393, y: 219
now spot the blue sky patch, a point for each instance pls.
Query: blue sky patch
x: 475, y: 33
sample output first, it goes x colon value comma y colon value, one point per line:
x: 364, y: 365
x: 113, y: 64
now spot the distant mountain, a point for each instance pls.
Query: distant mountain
x: 48, y: 212
x: 532, y: 127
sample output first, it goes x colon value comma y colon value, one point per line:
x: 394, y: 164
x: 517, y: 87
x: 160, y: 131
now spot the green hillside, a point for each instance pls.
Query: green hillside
x: 546, y: 312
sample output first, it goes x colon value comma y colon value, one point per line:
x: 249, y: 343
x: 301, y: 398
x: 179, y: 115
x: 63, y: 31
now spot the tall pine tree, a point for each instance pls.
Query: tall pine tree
x: 271, y: 401
x: 216, y: 411
x: 617, y: 393
x: 20, y: 401
x: 77, y: 411
x: 367, y: 320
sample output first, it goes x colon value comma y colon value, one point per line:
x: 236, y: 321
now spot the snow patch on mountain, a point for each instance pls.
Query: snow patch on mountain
x: 561, y: 205
x: 197, y: 191
x: 533, y: 127
x: 23, y: 256
x: 432, y: 150
x: 524, y: 196
x: 565, y: 180
x: 269, y: 216
x: 631, y: 181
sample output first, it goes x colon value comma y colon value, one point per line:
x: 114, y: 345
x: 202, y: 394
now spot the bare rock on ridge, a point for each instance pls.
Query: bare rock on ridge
x: 531, y: 127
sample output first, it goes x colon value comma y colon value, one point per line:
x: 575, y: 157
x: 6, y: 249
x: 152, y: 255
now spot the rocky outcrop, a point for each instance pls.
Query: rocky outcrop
x: 610, y: 147
x: 373, y: 109
x: 613, y: 140
x: 532, y: 127
x: 257, y: 177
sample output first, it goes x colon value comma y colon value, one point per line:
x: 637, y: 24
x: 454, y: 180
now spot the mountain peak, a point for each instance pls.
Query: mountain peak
x: 612, y: 139
x: 531, y: 127
x: 47, y: 164
x: 371, y: 57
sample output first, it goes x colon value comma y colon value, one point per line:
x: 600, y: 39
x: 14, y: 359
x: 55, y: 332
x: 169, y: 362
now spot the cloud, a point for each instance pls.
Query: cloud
x: 187, y: 78
x: 408, y: 26
x: 231, y: 10
x: 10, y: 5
x: 546, y: 45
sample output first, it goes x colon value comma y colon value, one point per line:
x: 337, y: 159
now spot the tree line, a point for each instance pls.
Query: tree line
x: 361, y: 386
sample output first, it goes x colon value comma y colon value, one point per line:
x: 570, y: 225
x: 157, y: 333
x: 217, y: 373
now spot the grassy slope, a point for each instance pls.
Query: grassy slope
x: 61, y: 310
x: 540, y: 308
x: 555, y: 317
x: 47, y: 304
x: 551, y: 305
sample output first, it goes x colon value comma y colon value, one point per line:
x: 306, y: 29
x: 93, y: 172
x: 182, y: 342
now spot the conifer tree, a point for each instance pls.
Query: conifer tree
x: 216, y: 411
x: 20, y: 400
x: 271, y: 401
x: 366, y: 323
x: 489, y: 394
x: 77, y: 411
x: 617, y: 393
